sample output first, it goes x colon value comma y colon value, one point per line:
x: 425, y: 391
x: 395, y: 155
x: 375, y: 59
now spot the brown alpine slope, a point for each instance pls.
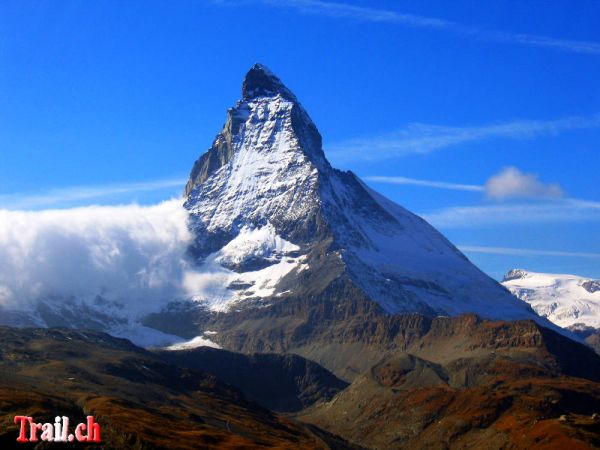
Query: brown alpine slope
x: 339, y: 328
x: 468, y: 383
x: 140, y: 400
x: 280, y: 382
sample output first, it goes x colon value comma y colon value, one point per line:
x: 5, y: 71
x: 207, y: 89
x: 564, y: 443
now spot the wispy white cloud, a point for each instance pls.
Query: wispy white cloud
x: 338, y: 10
x: 69, y: 195
x: 558, y: 211
x: 512, y: 183
x: 418, y: 138
x: 524, y: 251
x: 425, y: 183
x: 584, y: 203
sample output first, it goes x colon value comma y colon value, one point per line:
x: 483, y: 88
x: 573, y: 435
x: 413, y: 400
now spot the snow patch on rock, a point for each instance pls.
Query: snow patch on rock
x: 219, y: 287
x: 198, y: 341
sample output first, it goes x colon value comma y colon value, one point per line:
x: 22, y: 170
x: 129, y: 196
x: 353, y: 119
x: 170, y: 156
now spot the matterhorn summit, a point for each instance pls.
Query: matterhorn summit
x: 273, y: 220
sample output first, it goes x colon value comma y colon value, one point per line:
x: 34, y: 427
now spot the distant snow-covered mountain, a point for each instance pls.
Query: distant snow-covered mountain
x: 566, y: 300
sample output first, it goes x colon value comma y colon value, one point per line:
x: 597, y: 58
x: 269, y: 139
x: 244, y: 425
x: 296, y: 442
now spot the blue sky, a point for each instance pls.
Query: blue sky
x: 482, y: 117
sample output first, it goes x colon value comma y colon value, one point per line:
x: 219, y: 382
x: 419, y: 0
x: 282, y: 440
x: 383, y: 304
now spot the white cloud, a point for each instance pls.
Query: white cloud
x: 425, y: 183
x: 130, y: 254
x: 57, y: 197
x: 510, y: 182
x: 558, y: 211
x: 419, y: 138
x: 366, y: 14
x: 524, y: 252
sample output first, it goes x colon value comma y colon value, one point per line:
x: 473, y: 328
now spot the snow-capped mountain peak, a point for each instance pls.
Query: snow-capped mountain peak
x: 263, y: 166
x: 266, y: 170
x: 566, y: 300
x: 261, y: 82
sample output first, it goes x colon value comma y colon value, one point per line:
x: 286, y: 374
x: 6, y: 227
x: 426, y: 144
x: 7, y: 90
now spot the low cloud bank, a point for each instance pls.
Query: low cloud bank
x: 131, y: 254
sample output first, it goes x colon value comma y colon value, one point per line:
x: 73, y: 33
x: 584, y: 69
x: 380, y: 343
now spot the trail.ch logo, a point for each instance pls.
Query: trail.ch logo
x: 58, y: 431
